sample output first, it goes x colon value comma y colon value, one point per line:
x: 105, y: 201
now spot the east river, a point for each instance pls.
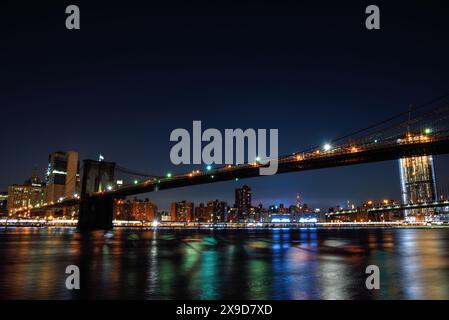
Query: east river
x: 224, y: 264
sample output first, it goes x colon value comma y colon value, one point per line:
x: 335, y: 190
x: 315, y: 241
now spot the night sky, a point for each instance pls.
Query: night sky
x: 136, y: 71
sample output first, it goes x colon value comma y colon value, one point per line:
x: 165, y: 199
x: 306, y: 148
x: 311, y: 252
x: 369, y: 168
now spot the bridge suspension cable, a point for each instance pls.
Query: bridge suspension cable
x: 440, y: 106
x: 135, y: 173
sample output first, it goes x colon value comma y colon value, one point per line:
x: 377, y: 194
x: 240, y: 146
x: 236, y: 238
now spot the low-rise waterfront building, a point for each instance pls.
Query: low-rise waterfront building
x: 136, y: 209
x: 182, y: 211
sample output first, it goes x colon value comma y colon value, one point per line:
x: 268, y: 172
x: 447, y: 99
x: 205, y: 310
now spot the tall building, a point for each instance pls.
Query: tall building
x: 29, y: 194
x: 182, y: 211
x: 62, y: 175
x: 243, y: 201
x: 216, y: 211
x: 417, y: 185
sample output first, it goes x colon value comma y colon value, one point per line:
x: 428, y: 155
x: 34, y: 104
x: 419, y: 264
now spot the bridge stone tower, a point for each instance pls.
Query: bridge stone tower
x: 96, y: 211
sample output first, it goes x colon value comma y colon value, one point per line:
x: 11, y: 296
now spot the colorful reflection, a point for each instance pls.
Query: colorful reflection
x: 225, y: 264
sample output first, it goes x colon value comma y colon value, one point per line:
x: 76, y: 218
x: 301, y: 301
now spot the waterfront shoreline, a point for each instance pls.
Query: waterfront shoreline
x: 151, y: 226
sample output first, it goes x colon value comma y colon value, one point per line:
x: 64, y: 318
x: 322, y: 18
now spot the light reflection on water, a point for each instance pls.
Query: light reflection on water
x: 232, y: 264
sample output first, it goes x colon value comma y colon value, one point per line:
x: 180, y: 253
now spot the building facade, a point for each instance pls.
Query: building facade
x: 243, y: 198
x: 62, y: 177
x: 216, y: 211
x: 144, y: 210
x: 201, y: 214
x: 418, y: 185
x: 182, y: 211
x: 27, y: 195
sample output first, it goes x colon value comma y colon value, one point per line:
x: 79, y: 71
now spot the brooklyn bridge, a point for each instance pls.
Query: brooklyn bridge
x: 419, y: 131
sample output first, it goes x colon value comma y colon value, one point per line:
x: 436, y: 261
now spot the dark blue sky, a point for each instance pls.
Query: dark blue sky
x: 136, y: 71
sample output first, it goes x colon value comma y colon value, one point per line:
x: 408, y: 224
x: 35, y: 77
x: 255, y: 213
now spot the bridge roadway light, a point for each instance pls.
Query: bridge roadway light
x: 209, y: 167
x: 169, y: 175
x: 428, y: 131
x: 327, y: 147
x: 136, y: 182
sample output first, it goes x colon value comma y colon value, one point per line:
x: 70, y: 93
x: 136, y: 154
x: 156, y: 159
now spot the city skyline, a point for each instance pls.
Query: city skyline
x: 165, y: 199
x: 233, y: 202
x: 218, y: 156
x: 123, y: 101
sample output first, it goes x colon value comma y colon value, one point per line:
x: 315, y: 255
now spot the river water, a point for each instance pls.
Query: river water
x: 225, y: 264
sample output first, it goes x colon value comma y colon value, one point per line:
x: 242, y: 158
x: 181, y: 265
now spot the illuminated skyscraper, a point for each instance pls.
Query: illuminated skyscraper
x: 417, y: 184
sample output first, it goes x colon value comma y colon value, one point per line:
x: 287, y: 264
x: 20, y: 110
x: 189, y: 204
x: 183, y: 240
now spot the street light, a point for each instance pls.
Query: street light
x: 327, y: 147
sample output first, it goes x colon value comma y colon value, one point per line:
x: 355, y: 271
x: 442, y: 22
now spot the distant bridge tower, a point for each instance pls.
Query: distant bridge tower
x: 96, y: 212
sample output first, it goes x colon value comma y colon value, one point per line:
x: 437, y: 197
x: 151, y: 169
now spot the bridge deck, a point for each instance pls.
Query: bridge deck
x: 341, y: 156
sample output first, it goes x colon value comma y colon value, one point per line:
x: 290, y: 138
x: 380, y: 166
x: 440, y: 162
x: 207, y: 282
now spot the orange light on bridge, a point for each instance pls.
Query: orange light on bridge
x: 354, y: 149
